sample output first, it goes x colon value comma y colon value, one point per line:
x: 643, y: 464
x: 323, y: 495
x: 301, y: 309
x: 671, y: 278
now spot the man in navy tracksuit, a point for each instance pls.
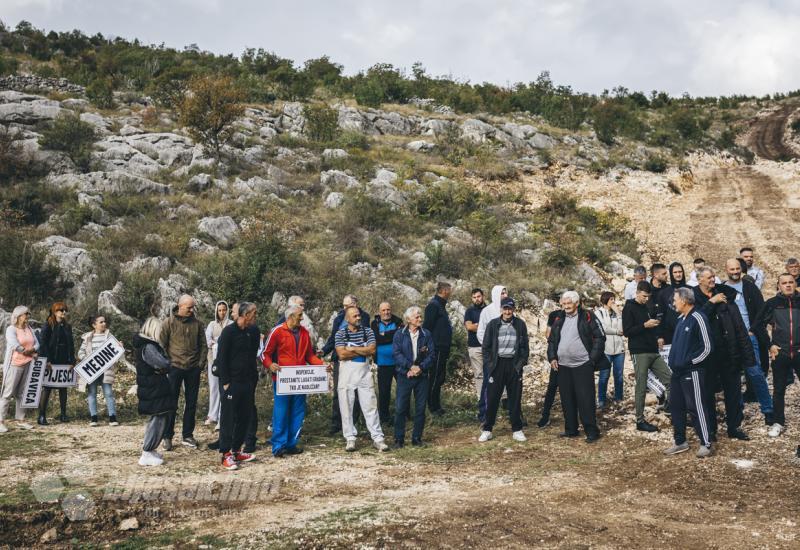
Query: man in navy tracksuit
x: 691, y: 346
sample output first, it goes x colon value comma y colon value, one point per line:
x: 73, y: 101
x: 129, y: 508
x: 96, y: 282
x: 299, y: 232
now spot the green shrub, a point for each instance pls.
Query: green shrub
x: 322, y: 122
x: 795, y: 126
x: 366, y: 212
x: 210, y: 109
x: 368, y: 93
x: 138, y: 293
x: 447, y: 201
x: 8, y: 65
x: 70, y: 134
x: 15, y: 163
x: 33, y: 280
x: 101, y: 93
x: 350, y: 139
x: 655, y: 163
x: 612, y: 118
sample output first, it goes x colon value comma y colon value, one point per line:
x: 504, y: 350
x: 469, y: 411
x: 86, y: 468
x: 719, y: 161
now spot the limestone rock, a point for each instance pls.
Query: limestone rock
x: 420, y: 146
x: 222, y: 230
x: 382, y: 188
x: 145, y: 263
x: 196, y: 245
x: 337, y: 178
x: 74, y: 263
x: 334, y: 200
x: 22, y: 108
x: 116, y: 182
x: 476, y: 130
x: 129, y: 524
x: 329, y: 154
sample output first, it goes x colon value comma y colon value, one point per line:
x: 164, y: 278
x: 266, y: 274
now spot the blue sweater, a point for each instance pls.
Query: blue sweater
x: 691, y: 343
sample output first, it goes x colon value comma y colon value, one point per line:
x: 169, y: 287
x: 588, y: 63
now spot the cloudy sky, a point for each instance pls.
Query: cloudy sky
x: 710, y: 47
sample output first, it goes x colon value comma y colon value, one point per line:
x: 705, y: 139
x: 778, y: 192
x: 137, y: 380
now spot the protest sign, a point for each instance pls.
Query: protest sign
x: 59, y: 376
x: 33, y: 383
x: 302, y: 380
x: 106, y: 356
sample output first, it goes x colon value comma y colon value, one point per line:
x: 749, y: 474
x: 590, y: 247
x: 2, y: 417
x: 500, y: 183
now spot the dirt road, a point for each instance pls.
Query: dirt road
x: 766, y: 137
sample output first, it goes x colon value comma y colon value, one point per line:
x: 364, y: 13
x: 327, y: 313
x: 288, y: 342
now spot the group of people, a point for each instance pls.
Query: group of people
x: 689, y: 337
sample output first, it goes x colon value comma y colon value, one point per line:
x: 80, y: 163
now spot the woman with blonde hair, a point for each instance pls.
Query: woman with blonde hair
x: 21, y: 350
x: 91, y: 342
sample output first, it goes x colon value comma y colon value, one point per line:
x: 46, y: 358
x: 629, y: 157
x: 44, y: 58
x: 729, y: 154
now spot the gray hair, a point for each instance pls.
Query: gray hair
x: 685, y: 294
x: 572, y: 296
x: 245, y: 308
x: 291, y: 310
x: 294, y: 300
x: 351, y: 298
x: 410, y: 312
x: 705, y: 269
x: 18, y: 312
x: 792, y: 261
x: 640, y: 270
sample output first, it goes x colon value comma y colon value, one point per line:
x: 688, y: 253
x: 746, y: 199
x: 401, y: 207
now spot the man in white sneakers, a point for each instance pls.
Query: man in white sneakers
x: 505, y: 353
x: 354, y: 344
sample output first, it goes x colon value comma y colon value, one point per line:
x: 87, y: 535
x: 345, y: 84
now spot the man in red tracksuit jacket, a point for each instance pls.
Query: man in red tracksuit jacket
x: 293, y: 346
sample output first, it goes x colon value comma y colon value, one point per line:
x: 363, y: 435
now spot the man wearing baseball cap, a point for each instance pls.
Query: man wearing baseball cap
x: 505, y: 352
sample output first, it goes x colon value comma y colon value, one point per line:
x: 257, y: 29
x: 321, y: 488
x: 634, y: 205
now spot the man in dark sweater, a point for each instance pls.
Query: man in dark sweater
x: 438, y: 323
x: 237, y: 346
x: 384, y: 326
x: 642, y: 329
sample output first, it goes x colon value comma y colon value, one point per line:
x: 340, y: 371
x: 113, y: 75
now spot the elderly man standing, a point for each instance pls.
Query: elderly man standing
x: 505, y: 352
x: 576, y: 343
x: 184, y: 340
x: 291, y: 344
x: 384, y: 326
x: 354, y: 344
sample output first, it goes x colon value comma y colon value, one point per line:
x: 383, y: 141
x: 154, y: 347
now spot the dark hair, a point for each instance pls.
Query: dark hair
x: 785, y: 275
x: 699, y: 261
x: 655, y: 267
x: 644, y: 286
x: 640, y: 270
x: 442, y: 285
x: 743, y: 265
x: 606, y: 296
x: 745, y: 249
x: 91, y: 319
x: 476, y: 289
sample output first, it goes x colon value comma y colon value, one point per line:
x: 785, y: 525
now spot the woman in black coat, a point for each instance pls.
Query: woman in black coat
x: 57, y: 345
x: 152, y: 389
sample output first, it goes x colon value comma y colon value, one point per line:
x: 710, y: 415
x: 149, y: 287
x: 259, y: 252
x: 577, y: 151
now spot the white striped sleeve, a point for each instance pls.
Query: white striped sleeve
x: 701, y: 324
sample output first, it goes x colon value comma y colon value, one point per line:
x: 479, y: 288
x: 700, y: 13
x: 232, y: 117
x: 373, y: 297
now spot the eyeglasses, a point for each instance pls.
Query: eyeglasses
x: 63, y: 310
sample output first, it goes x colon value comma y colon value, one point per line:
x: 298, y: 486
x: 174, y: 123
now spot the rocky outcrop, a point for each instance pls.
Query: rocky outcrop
x: 75, y: 265
x: 222, y: 230
x: 145, y: 154
x: 27, y: 109
x: 115, y: 182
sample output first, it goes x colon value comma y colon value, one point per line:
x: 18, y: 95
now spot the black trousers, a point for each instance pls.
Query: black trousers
x: 336, y: 416
x: 438, y: 375
x: 62, y: 399
x: 722, y: 375
x: 782, y: 367
x: 417, y: 385
x: 385, y: 376
x: 686, y: 396
x: 190, y: 380
x: 550, y: 394
x: 250, y: 438
x: 236, y: 409
x: 576, y: 386
x: 504, y: 377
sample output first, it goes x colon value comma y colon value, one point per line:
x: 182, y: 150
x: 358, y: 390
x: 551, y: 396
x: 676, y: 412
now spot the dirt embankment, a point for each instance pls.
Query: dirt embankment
x: 767, y: 135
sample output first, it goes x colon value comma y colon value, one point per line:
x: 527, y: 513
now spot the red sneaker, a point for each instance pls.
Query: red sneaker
x: 244, y: 457
x: 229, y: 462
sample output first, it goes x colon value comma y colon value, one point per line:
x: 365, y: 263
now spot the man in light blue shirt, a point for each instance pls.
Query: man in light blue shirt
x: 756, y: 273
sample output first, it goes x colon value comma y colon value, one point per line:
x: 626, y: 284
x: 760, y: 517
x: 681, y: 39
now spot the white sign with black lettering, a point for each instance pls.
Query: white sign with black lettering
x: 59, y: 376
x: 106, y: 356
x: 33, y: 383
x: 301, y: 380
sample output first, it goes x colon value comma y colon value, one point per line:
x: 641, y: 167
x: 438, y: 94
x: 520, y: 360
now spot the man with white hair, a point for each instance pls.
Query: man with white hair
x: 183, y: 337
x: 576, y: 343
x: 306, y: 321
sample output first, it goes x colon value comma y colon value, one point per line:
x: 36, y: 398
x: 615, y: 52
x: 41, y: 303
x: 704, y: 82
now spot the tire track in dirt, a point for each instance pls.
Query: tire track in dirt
x: 766, y: 136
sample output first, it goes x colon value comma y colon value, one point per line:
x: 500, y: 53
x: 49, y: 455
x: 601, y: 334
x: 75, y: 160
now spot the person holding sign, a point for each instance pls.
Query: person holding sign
x: 354, y: 344
x: 414, y: 352
x: 91, y: 342
x: 21, y: 349
x: 237, y: 348
x: 59, y: 348
x: 291, y: 344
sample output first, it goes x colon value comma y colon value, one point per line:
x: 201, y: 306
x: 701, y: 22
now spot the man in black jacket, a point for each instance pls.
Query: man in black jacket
x: 782, y: 313
x: 505, y: 352
x: 733, y: 351
x: 339, y: 322
x: 677, y: 279
x: 384, y: 326
x: 640, y: 325
x: 576, y: 343
x: 438, y: 323
x: 749, y: 300
x: 237, y: 346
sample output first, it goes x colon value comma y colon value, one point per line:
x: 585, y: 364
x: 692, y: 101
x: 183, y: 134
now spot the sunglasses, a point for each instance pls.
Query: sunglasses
x: 62, y: 310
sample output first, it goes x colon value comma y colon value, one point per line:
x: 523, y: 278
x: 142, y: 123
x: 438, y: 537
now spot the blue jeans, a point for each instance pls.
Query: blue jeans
x: 91, y: 397
x: 288, y: 413
x: 617, y: 363
x: 419, y: 386
x: 759, y: 381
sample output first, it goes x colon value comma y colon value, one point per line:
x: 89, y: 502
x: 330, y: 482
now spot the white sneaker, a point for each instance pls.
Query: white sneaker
x: 3, y: 428
x: 351, y: 445
x: 380, y: 445
x: 269, y: 428
x: 519, y: 436
x: 150, y: 459
x: 775, y: 430
x: 24, y: 426
x: 485, y: 436
x: 208, y: 422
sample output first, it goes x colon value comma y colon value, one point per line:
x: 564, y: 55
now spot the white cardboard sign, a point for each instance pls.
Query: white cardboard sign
x: 301, y: 380
x: 33, y: 383
x: 59, y: 376
x: 106, y: 356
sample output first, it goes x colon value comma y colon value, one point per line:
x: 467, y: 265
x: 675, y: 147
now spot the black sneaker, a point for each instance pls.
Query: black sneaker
x: 280, y: 453
x: 593, y: 437
x: 739, y: 434
x: 645, y: 426
x: 398, y: 445
x: 543, y: 422
x: 189, y: 442
x: 294, y: 451
x: 63, y: 417
x: 417, y: 443
x: 797, y: 452
x: 42, y: 421
x: 438, y: 412
x: 569, y: 434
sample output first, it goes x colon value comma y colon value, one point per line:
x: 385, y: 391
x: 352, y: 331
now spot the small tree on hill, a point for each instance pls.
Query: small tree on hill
x: 210, y: 107
x: 72, y: 136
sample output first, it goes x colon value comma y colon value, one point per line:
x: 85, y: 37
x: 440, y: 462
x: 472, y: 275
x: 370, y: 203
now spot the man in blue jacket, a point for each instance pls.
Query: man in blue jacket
x: 691, y: 347
x: 414, y: 354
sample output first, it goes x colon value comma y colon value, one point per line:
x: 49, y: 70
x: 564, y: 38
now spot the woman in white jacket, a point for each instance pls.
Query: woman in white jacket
x: 90, y: 342
x: 611, y: 319
x: 21, y: 349
x: 214, y: 329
